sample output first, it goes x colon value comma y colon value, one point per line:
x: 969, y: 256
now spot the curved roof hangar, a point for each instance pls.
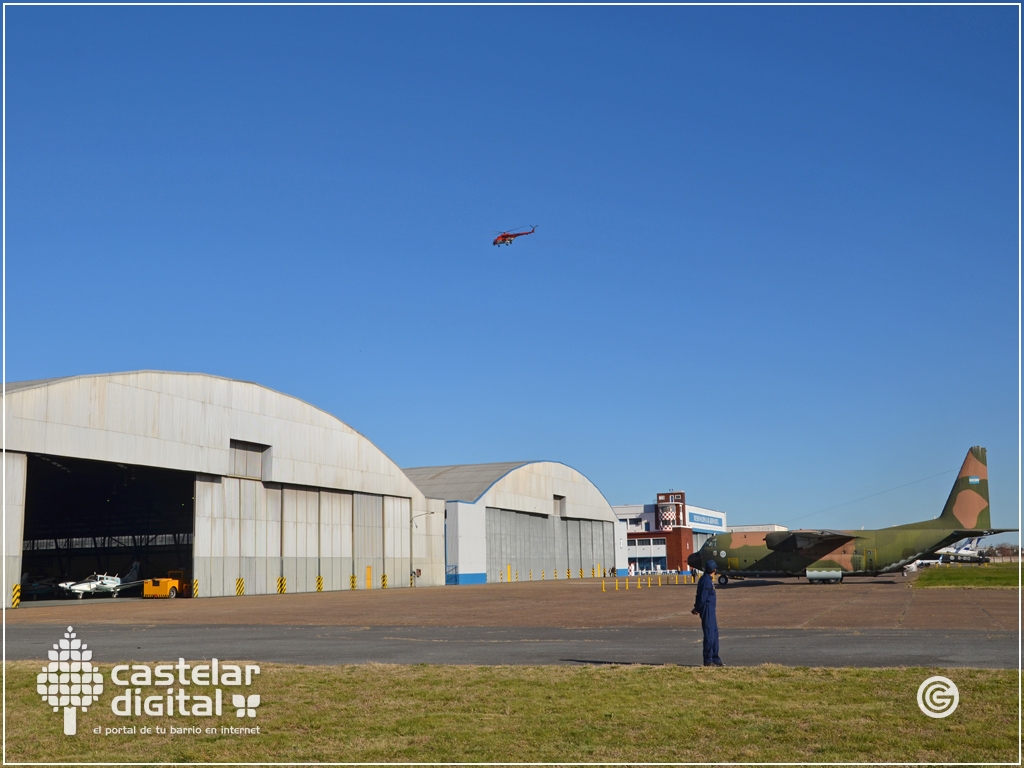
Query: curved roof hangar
x: 187, y: 421
x: 524, y: 486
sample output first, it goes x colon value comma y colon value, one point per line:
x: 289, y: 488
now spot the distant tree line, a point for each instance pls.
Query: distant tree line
x: 1001, y: 550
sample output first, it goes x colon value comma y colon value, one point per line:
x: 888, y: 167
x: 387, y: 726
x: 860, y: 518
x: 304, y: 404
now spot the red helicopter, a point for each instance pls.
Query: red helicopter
x: 506, y: 238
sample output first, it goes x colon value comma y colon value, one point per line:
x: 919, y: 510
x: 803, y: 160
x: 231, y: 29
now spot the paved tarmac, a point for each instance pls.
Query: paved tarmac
x: 863, y: 622
x: 883, y: 603
x: 315, y: 645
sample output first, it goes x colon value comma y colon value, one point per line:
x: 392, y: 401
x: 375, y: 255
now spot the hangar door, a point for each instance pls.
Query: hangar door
x: 259, y: 538
x: 237, y: 536
x: 368, y: 539
x: 543, y: 544
x: 84, y: 517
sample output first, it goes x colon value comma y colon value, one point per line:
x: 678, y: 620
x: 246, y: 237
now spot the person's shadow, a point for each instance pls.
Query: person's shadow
x: 597, y: 662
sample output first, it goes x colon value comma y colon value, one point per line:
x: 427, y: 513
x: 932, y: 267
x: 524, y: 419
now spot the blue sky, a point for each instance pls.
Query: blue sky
x: 775, y: 265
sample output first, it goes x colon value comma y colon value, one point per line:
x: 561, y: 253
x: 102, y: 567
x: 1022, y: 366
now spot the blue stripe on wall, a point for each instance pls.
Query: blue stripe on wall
x: 472, y: 578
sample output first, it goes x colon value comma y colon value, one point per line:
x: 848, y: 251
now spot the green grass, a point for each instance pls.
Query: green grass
x: 994, y: 575
x: 389, y: 713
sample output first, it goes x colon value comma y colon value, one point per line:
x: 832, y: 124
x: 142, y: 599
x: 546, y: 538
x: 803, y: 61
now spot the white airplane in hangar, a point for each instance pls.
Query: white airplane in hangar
x: 102, y: 584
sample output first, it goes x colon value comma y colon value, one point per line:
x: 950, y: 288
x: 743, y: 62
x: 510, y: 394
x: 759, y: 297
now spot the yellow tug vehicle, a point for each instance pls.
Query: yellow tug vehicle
x: 174, y: 585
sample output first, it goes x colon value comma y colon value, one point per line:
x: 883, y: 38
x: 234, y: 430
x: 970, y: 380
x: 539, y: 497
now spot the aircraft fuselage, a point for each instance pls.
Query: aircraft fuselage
x: 870, y: 553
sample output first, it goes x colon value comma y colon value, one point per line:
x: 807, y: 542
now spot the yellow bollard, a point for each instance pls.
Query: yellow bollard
x: 639, y: 582
x: 627, y: 582
x: 659, y: 579
x: 616, y: 584
x: 510, y: 574
x: 581, y: 573
x: 677, y: 579
x: 602, y: 585
x: 568, y: 573
x: 369, y: 581
x: 542, y: 575
x: 648, y: 582
x: 531, y: 574
x: 517, y: 575
x: 592, y: 573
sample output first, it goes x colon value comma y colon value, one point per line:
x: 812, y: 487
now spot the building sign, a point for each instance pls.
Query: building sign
x: 705, y: 519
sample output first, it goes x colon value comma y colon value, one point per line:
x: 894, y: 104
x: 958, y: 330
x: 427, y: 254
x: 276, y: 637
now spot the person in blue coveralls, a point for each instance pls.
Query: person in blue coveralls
x: 704, y: 606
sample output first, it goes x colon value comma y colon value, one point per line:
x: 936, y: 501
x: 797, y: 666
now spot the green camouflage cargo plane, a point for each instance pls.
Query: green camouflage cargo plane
x: 828, y: 555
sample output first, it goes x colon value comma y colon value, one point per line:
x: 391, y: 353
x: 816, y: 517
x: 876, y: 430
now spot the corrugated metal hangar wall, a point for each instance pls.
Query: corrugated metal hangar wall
x: 539, y: 546
x: 261, y: 532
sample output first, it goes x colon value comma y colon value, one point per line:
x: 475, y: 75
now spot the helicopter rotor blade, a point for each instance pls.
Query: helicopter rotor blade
x: 511, y: 230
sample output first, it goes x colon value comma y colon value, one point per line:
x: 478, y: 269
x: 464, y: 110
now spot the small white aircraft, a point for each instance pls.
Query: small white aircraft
x: 965, y: 551
x: 103, y: 584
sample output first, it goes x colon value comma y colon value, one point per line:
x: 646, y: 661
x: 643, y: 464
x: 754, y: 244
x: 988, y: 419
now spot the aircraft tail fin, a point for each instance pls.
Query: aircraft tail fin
x: 133, y: 574
x: 967, y: 506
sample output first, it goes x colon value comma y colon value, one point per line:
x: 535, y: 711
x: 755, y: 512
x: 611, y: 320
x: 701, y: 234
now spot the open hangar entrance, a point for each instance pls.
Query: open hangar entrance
x: 84, y: 517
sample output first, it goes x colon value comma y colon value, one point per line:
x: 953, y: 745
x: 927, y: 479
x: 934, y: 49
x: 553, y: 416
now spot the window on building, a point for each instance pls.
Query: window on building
x: 659, y: 541
x: 631, y: 543
x: 643, y: 542
x: 559, y: 503
x: 649, y: 564
x: 247, y: 459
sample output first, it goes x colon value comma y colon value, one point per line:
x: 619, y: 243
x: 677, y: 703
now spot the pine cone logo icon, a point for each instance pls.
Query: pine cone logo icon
x: 70, y: 680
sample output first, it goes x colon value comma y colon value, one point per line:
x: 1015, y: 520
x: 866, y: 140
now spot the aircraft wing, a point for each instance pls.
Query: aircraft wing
x: 792, y: 540
x: 126, y: 584
x: 967, y: 533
